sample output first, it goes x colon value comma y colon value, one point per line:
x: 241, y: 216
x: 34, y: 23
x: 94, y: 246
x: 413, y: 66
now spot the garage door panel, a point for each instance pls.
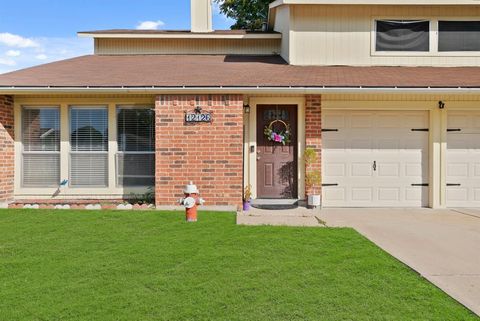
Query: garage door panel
x: 415, y: 193
x: 335, y: 194
x: 388, y: 145
x: 361, y: 120
x: 361, y: 170
x: 391, y: 170
x: 363, y: 194
x: 414, y: 170
x: 387, y: 121
x: 335, y: 170
x: 335, y: 120
x: 388, y: 194
x: 463, y: 159
x: 381, y: 136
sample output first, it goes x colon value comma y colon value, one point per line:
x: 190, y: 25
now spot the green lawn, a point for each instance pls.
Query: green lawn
x: 81, y: 265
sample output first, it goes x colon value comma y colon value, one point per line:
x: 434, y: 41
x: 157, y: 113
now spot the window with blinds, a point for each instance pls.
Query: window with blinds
x: 402, y: 35
x: 41, y: 147
x: 136, y: 146
x: 89, y: 146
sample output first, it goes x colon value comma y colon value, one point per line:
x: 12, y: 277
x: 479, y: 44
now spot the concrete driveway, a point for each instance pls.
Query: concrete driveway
x: 442, y: 245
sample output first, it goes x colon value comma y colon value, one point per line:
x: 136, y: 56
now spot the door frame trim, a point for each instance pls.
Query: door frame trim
x: 251, y: 140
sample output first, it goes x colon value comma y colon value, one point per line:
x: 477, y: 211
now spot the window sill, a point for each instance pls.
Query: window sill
x: 472, y: 54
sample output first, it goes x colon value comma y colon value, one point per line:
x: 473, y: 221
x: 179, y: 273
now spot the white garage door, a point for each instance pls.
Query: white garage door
x: 375, y: 158
x: 463, y: 159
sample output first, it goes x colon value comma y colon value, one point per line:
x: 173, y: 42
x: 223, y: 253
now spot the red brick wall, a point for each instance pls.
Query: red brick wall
x: 6, y: 149
x: 209, y: 154
x: 313, y: 130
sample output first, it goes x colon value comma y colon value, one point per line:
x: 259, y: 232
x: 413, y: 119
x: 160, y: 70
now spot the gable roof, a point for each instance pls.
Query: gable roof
x: 186, y: 71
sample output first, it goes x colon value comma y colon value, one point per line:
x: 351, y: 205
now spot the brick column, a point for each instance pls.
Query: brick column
x: 209, y: 154
x: 7, y: 151
x: 313, y: 128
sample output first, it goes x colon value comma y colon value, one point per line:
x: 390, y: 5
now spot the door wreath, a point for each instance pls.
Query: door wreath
x: 282, y: 136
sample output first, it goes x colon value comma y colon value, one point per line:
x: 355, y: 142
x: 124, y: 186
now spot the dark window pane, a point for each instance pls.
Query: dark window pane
x: 136, y: 130
x: 136, y: 143
x: 459, y: 36
x: 136, y: 169
x: 400, y: 35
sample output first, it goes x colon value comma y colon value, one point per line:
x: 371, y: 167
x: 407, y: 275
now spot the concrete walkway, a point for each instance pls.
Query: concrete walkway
x: 442, y: 245
x: 296, y: 217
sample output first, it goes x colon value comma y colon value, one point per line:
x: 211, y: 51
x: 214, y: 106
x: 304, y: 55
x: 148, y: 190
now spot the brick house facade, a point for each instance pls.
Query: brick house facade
x: 7, y: 153
x: 209, y: 154
x: 313, y: 130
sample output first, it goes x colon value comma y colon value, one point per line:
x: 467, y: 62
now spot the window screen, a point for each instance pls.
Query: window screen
x: 402, y: 35
x: 136, y: 145
x: 41, y: 147
x: 89, y: 147
x: 459, y: 36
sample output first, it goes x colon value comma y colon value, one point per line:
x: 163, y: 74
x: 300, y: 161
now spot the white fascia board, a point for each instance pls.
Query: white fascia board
x: 180, y: 36
x: 236, y: 90
x: 377, y: 2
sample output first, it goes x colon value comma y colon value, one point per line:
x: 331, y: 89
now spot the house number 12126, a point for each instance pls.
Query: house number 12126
x: 198, y: 118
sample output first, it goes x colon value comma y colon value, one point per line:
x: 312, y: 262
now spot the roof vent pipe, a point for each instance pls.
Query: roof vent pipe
x: 201, y: 11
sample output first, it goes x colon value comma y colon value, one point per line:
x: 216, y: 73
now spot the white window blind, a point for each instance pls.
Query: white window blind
x: 41, y: 147
x: 89, y: 147
x: 136, y: 145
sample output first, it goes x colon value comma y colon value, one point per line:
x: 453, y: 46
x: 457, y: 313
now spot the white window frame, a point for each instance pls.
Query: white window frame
x: 111, y: 191
x: 25, y: 107
x: 373, y: 42
x: 433, y: 38
x: 118, y: 152
x: 454, y: 53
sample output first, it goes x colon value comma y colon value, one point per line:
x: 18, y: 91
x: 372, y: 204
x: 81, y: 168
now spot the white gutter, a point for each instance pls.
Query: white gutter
x: 236, y: 90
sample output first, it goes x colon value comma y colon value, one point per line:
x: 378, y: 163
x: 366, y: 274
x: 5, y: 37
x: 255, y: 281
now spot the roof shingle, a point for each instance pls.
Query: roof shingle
x: 234, y: 71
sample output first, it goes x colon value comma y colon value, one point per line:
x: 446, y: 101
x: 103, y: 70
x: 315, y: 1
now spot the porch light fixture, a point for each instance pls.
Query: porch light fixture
x: 441, y: 105
x: 246, y: 109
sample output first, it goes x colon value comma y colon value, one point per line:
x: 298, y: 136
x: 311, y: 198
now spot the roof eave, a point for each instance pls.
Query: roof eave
x: 15, y: 90
x: 180, y: 36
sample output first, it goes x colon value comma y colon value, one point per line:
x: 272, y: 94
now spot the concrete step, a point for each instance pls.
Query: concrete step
x: 278, y: 220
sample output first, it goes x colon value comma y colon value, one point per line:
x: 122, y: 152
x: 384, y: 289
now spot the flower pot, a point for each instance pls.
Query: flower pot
x: 314, y: 200
x: 246, y: 206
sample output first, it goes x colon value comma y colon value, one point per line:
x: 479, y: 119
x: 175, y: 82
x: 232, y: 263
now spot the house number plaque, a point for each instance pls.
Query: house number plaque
x: 198, y: 116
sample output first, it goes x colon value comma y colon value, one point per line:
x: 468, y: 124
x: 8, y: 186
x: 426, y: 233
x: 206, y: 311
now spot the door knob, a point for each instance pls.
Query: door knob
x: 374, y: 166
x: 258, y: 157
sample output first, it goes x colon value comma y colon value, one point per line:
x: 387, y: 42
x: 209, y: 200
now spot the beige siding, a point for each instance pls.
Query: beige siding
x: 111, y: 46
x: 342, y: 35
x: 282, y: 24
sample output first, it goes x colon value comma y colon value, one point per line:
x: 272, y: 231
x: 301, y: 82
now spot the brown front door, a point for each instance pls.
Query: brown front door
x: 276, y: 163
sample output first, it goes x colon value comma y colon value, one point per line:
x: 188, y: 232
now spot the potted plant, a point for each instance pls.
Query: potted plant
x: 247, y: 198
x: 313, y: 178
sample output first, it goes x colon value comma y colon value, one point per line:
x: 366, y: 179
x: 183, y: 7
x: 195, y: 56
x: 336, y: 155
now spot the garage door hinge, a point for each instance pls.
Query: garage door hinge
x: 451, y: 185
x: 329, y: 130
x: 424, y: 184
x: 327, y: 185
x: 420, y: 129
x: 454, y: 130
